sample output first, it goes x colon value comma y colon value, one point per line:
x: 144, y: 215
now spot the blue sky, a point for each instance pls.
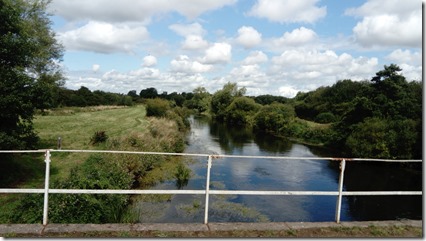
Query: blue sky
x: 277, y: 47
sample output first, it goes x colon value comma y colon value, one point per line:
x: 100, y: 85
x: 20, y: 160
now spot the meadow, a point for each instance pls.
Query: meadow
x: 125, y: 128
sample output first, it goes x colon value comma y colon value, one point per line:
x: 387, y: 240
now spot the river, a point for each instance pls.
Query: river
x: 209, y: 137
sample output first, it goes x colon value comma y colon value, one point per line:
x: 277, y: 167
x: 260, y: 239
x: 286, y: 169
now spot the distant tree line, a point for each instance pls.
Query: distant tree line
x: 377, y: 118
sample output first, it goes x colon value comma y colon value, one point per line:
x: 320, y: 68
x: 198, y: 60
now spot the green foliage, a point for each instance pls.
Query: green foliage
x: 200, y: 100
x: 28, y: 69
x: 304, y: 131
x: 149, y: 93
x: 98, y: 137
x: 84, y: 97
x: 383, y: 138
x: 221, y: 99
x: 272, y: 118
x: 269, y: 99
x: 98, y: 172
x: 369, y: 138
x: 241, y: 111
x: 325, y: 117
x: 353, y: 107
x: 157, y: 107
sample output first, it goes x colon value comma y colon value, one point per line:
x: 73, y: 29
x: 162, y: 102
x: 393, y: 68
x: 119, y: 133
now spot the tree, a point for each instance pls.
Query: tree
x: 29, y: 73
x: 241, y: 111
x: 149, y: 93
x: 221, y: 99
x: 274, y: 117
x: 200, y: 100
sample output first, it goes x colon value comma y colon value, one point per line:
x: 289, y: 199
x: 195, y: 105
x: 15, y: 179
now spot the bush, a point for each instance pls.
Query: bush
x: 98, y: 137
x: 157, y: 107
x: 97, y: 172
x: 272, y: 118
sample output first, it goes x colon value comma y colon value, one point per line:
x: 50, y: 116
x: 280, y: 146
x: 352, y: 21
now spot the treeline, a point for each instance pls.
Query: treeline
x: 377, y: 118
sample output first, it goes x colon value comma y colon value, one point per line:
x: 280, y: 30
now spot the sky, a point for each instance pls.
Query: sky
x: 276, y: 47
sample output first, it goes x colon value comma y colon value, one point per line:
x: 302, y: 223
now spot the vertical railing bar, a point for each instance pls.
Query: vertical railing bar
x: 206, y: 211
x: 339, y: 198
x: 46, y: 188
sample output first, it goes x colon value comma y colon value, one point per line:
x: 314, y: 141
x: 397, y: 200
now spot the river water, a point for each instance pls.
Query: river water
x: 209, y: 137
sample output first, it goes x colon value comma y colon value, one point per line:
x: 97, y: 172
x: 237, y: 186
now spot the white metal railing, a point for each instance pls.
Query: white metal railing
x: 339, y: 193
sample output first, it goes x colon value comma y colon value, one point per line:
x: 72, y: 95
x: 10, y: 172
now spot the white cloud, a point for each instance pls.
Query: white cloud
x: 307, y: 70
x: 288, y: 11
x: 188, y: 29
x: 248, y: 37
x: 184, y: 65
x: 218, y: 53
x: 297, y: 37
x: 400, y: 56
x: 388, y: 23
x: 255, y: 57
x: 145, y: 73
x: 194, y: 42
x: 410, y: 63
x: 131, y: 10
x: 149, y: 61
x: 193, y: 35
x: 96, y: 67
x: 103, y: 37
x: 287, y: 91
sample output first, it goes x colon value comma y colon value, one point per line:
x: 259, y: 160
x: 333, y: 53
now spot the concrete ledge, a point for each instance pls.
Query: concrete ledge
x: 83, y: 228
x: 21, y: 228
x: 247, y: 226
x: 184, y: 227
x: 169, y: 227
x: 302, y: 225
x: 415, y: 223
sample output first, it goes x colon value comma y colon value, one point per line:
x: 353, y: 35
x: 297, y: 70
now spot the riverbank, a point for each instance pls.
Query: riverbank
x: 377, y: 229
x: 99, y: 128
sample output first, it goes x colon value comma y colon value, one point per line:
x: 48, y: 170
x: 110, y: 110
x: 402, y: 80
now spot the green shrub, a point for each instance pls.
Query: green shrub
x: 98, y: 137
x: 157, y: 107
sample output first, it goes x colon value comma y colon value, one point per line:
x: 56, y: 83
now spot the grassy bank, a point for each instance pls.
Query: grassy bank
x: 125, y: 128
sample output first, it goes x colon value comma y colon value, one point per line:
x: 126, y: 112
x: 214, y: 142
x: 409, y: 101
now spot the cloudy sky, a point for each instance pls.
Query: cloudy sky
x: 276, y: 47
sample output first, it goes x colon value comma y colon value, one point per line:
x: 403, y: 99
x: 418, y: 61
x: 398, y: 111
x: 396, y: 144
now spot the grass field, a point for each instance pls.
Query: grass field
x: 76, y: 126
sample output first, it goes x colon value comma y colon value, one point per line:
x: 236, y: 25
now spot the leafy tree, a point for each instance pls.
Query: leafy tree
x: 133, y: 94
x: 273, y: 117
x: 221, y: 99
x: 157, y: 107
x: 370, y: 138
x: 149, y: 93
x: 29, y: 73
x: 241, y: 111
x: 200, y: 100
x: 269, y: 99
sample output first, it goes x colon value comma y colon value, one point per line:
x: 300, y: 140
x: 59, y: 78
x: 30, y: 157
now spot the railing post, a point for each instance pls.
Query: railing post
x: 46, y: 187
x: 339, y: 198
x: 206, y: 212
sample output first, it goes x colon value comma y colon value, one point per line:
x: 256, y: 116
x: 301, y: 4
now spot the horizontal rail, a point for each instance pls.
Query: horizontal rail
x: 217, y: 192
x: 207, y: 155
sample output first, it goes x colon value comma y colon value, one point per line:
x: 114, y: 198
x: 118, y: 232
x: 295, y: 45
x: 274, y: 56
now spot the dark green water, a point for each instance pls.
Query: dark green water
x: 285, y: 175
